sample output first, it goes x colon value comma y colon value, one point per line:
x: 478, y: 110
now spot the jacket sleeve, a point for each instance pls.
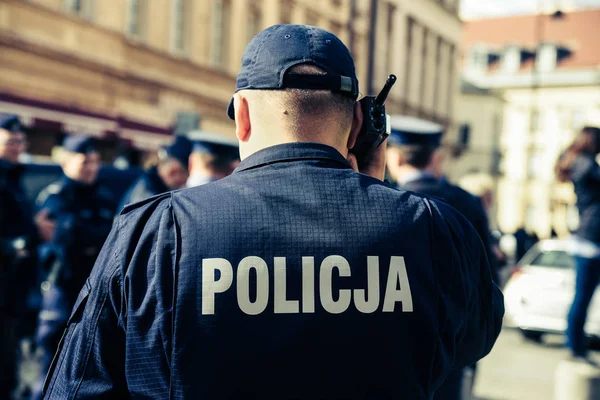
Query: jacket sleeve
x: 585, y: 168
x: 471, y: 306
x: 93, y: 353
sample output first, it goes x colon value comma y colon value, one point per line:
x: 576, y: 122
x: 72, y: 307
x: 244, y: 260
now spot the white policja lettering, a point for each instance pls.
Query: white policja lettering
x: 366, y: 300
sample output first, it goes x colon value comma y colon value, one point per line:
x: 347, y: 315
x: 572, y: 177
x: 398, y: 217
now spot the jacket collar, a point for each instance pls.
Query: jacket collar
x: 289, y: 152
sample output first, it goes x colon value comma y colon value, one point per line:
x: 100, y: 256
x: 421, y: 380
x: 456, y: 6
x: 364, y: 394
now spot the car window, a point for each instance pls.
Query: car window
x: 556, y: 259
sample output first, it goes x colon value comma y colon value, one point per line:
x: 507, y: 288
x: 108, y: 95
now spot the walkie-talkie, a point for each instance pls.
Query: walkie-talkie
x: 376, y: 125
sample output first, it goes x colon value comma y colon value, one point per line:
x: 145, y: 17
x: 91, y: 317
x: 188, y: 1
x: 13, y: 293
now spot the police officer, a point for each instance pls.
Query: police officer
x: 18, y: 240
x: 171, y: 173
x: 83, y: 212
x: 213, y: 157
x: 414, y: 161
x: 294, y: 277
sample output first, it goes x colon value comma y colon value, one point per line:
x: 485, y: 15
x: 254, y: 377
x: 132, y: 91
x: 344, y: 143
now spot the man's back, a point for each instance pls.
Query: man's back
x: 295, y: 277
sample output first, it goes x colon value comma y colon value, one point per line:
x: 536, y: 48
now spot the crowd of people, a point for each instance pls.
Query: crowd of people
x: 48, y: 249
x: 227, y: 289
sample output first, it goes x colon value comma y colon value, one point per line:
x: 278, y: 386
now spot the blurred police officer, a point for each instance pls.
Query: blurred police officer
x: 171, y: 173
x: 294, y: 277
x: 83, y: 212
x: 18, y: 241
x: 213, y: 157
x: 415, y: 162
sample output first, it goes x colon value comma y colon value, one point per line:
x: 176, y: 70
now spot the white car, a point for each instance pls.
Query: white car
x: 540, y: 291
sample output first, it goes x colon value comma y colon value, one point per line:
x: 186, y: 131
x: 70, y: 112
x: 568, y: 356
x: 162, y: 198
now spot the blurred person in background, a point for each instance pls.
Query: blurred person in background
x: 171, y: 173
x: 414, y: 161
x: 19, y: 237
x: 481, y: 185
x: 83, y: 213
x: 578, y: 164
x: 213, y: 157
x: 524, y: 242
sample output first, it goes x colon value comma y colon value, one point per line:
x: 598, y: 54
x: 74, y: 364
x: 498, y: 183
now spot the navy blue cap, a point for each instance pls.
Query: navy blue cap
x: 180, y: 150
x: 10, y: 122
x: 272, y: 52
x: 407, y: 130
x: 79, y: 144
x: 213, y: 143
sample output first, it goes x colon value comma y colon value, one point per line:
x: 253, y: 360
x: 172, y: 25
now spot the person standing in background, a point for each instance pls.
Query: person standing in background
x: 171, y: 173
x: 83, y: 213
x: 19, y: 236
x: 414, y: 161
x: 481, y: 185
x: 578, y: 164
x: 213, y: 157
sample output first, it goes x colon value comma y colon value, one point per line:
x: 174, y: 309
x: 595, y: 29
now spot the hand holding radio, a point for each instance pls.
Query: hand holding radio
x: 376, y: 126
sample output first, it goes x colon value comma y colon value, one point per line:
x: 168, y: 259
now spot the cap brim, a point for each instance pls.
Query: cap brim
x: 231, y: 110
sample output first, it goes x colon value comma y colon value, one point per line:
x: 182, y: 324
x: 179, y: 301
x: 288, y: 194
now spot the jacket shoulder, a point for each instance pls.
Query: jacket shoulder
x: 54, y: 188
x: 154, y: 200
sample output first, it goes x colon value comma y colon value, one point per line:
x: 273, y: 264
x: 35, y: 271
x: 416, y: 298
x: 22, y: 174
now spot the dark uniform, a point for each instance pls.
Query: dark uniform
x: 18, y: 241
x: 83, y: 214
x: 412, y: 131
x: 150, y: 183
x: 295, y: 277
x: 464, y: 202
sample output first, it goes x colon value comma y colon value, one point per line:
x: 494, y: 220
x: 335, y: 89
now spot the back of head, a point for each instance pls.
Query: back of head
x: 297, y: 83
x: 413, y: 143
x: 213, y: 156
x: 304, y: 113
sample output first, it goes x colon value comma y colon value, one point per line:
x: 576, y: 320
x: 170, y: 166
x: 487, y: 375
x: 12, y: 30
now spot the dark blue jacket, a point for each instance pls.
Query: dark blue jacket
x: 585, y: 174
x: 83, y: 215
x: 295, y: 277
x: 464, y: 202
x: 17, y: 232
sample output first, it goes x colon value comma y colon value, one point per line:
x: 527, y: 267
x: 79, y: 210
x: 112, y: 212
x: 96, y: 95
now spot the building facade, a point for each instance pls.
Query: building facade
x: 479, y: 115
x: 546, y: 67
x: 128, y: 71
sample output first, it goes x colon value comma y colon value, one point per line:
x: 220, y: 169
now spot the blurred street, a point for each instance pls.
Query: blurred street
x: 519, y: 370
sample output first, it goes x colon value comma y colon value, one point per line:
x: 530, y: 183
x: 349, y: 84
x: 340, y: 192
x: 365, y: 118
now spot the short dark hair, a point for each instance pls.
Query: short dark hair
x: 301, y: 104
x: 419, y: 156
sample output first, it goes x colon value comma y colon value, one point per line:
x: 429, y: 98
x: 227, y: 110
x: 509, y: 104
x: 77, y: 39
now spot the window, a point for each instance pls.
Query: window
x: 220, y: 45
x: 535, y: 120
x: 511, y: 59
x: 136, y: 22
x: 83, y: 8
x: 180, y: 25
x: 554, y: 259
x: 546, y: 58
x: 478, y: 59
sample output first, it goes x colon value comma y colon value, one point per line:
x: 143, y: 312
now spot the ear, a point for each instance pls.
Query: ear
x: 357, y: 121
x: 243, y: 127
